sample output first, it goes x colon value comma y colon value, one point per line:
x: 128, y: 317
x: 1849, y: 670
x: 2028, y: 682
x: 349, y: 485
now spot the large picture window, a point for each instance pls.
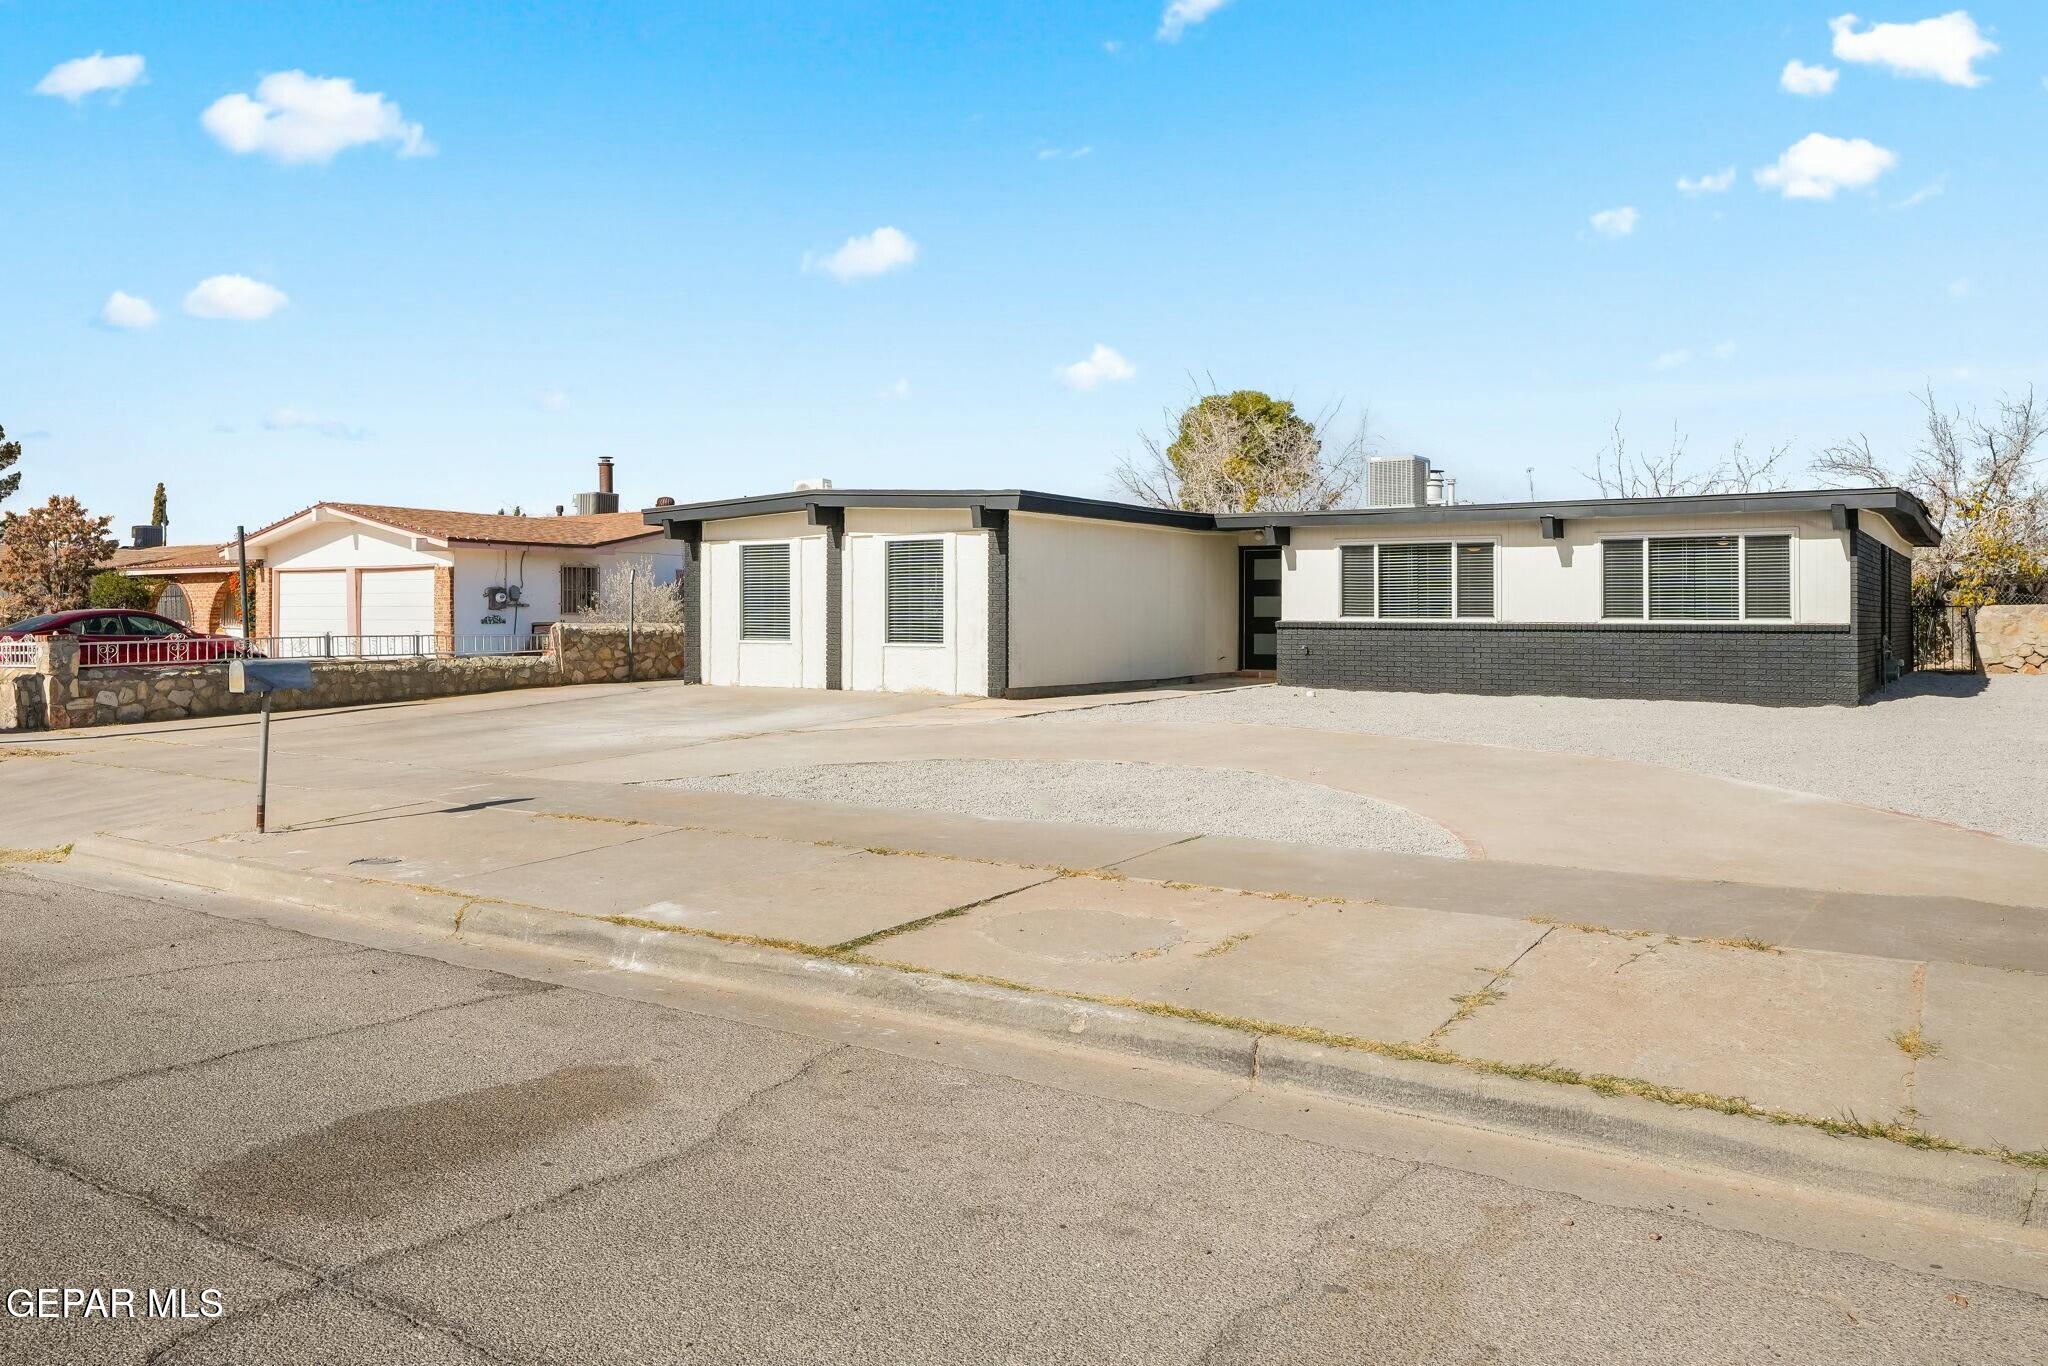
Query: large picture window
x: 1726, y: 577
x: 1418, y: 581
x: 916, y: 593
x: 764, y: 592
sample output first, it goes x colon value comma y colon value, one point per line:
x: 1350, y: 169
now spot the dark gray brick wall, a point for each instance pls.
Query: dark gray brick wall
x: 1771, y: 665
x: 998, y: 602
x: 835, y: 587
x: 691, y: 575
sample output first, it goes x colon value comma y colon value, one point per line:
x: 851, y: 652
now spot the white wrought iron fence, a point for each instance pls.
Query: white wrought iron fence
x: 21, y: 654
x: 170, y: 651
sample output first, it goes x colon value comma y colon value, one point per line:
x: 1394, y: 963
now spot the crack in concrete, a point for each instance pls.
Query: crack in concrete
x: 190, y: 967
x: 528, y: 987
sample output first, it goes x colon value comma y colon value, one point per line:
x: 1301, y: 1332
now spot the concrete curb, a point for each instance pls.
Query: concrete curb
x: 1951, y: 1183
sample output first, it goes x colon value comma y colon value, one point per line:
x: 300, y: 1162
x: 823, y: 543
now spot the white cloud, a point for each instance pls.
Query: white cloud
x: 234, y: 296
x: 1063, y: 153
x: 82, y: 76
x: 1112, y: 46
x: 1671, y: 360
x: 1946, y: 49
x: 1716, y: 183
x: 898, y: 390
x: 295, y: 117
x: 554, y: 400
x: 292, y: 420
x: 1103, y: 366
x: 1722, y: 350
x: 883, y: 250
x: 1800, y: 79
x: 1958, y: 288
x: 127, y: 312
x: 1182, y: 15
x: 1614, y: 222
x: 1817, y: 165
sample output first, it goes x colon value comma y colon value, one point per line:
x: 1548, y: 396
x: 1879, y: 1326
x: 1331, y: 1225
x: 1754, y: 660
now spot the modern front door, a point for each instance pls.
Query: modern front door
x: 1259, y: 606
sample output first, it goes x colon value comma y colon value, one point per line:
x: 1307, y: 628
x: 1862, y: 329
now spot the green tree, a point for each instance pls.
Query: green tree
x: 10, y: 451
x: 48, y: 556
x: 110, y: 588
x: 1246, y: 451
x: 160, y: 508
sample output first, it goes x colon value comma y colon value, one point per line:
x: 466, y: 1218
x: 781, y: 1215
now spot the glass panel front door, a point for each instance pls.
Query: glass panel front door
x: 1259, y: 596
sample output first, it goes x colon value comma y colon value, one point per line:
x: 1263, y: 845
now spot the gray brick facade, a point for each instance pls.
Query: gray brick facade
x: 1767, y: 664
x: 689, y: 536
x: 998, y: 602
x: 835, y: 591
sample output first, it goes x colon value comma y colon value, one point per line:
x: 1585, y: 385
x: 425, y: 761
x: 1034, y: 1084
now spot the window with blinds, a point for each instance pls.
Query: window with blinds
x: 1415, y: 580
x: 1475, y: 579
x: 1697, y: 578
x: 1767, y: 578
x: 579, y: 588
x: 1694, y: 578
x: 764, y: 592
x: 916, y: 593
x: 1621, y: 579
x: 1356, y: 593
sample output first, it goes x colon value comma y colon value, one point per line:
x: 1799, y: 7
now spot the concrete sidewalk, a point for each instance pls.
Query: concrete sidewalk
x: 1919, y: 1019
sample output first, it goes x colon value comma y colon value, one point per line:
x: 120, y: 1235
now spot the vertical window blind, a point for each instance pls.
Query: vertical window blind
x: 916, y: 593
x: 1475, y: 579
x: 1356, y: 593
x: 764, y: 592
x: 1415, y: 580
x: 1697, y: 578
x: 1767, y: 578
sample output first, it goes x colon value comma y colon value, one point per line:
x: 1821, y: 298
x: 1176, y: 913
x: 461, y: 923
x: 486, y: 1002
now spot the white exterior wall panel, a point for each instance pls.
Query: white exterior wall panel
x: 1109, y: 602
x: 798, y: 662
x: 1559, y: 581
x: 958, y: 664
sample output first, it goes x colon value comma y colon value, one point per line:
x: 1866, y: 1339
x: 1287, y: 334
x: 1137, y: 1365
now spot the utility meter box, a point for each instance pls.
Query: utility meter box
x: 263, y: 676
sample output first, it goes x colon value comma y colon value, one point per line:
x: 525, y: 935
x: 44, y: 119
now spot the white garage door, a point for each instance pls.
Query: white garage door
x: 397, y: 610
x: 311, y: 605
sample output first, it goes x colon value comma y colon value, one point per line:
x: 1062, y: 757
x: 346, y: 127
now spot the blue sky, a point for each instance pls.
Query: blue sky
x: 579, y: 230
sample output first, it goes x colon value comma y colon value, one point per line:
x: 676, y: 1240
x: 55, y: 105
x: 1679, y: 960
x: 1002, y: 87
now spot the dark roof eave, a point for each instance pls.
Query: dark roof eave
x: 1905, y: 512
x: 1011, y: 500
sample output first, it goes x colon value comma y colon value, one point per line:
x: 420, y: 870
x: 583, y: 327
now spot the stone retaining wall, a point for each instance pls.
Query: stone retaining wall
x: 2013, y: 640
x: 60, y: 695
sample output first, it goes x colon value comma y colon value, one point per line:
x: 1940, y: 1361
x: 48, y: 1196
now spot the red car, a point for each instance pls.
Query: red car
x: 110, y: 637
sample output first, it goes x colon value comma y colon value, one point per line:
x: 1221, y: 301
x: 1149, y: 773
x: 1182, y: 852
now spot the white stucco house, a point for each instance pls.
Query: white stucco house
x: 1790, y: 597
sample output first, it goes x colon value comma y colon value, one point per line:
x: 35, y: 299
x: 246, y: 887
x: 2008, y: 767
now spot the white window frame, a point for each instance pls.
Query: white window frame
x: 1742, y: 616
x: 1499, y: 573
x: 946, y: 583
x: 739, y: 574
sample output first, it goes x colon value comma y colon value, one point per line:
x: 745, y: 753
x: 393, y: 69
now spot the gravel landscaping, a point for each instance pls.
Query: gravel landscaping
x: 1971, y: 751
x: 1163, y: 797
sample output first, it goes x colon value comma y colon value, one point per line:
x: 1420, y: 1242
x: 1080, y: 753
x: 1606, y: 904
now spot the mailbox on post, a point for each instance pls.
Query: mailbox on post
x: 262, y: 677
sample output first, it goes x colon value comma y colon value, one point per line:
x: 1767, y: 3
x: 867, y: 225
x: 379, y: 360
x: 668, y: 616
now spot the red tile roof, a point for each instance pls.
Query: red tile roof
x: 170, y: 557
x: 602, y: 528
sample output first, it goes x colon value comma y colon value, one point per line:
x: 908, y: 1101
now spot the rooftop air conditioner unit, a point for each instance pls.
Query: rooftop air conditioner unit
x: 1397, y: 481
x: 811, y: 485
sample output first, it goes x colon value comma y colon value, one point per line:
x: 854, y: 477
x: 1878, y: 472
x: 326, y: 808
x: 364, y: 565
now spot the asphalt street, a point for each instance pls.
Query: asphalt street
x: 378, y: 1152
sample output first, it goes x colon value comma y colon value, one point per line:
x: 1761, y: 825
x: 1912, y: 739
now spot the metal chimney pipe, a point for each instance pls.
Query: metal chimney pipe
x: 604, y: 474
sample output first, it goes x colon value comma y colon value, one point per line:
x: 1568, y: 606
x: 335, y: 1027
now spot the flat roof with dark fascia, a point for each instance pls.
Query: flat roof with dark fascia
x: 1905, y: 512
x: 1008, y: 500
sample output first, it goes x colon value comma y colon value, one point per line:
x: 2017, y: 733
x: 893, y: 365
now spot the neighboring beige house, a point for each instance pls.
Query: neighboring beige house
x: 198, y: 583
x: 466, y: 581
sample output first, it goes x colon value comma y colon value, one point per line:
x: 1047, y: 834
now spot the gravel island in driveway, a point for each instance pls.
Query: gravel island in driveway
x: 1173, y: 798
x: 1970, y: 751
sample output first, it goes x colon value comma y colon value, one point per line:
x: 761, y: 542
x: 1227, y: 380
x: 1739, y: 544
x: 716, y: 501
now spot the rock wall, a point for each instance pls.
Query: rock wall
x: 61, y: 695
x: 2013, y: 640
